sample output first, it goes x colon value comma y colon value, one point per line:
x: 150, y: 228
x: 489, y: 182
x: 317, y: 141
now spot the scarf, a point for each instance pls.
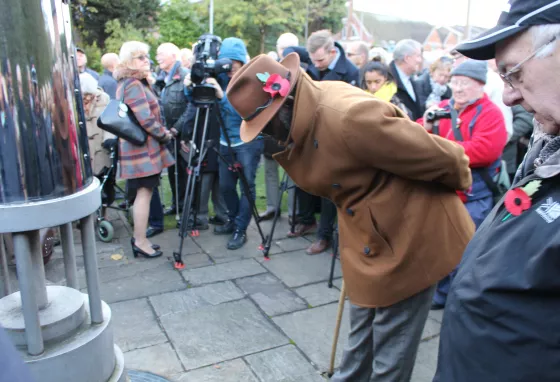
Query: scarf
x: 551, y: 145
x: 387, y: 91
x: 438, y: 91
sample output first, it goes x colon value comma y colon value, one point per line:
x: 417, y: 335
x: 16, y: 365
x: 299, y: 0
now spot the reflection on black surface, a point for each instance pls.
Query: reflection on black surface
x: 42, y: 142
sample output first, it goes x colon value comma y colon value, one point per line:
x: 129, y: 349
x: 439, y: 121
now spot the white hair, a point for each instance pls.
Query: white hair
x: 541, y: 35
x: 88, y: 84
x: 405, y: 48
x: 170, y: 48
x: 129, y: 49
x: 287, y: 40
x: 186, y: 53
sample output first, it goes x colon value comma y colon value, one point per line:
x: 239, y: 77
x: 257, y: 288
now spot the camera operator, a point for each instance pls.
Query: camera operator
x: 247, y: 154
x: 169, y: 87
x: 483, y: 135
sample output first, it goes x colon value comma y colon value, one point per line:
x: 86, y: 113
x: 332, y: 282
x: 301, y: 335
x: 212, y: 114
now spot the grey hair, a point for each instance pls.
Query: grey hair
x: 405, y: 48
x: 542, y: 34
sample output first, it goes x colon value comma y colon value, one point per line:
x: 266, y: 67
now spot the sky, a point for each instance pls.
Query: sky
x: 484, y: 13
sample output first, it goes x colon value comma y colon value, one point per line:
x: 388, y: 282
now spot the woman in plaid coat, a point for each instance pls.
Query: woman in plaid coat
x: 141, y: 165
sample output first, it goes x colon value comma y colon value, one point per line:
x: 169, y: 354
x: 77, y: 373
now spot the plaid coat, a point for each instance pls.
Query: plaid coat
x: 153, y: 156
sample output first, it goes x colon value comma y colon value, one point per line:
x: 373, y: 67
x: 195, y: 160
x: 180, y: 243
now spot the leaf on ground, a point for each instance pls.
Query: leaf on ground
x: 116, y: 257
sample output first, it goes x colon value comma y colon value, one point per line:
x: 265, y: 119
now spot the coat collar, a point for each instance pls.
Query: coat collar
x: 341, y: 66
x: 123, y: 72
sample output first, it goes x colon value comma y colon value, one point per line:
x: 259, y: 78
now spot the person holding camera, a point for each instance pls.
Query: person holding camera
x: 472, y: 120
x: 247, y: 154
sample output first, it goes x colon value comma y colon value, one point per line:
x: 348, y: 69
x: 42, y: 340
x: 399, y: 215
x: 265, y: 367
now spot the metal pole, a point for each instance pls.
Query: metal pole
x: 24, y: 266
x: 69, y: 255
x: 468, y: 27
x: 306, y: 19
x: 211, y: 16
x: 90, y: 261
x: 349, y: 22
x: 6, y: 290
x: 38, y: 269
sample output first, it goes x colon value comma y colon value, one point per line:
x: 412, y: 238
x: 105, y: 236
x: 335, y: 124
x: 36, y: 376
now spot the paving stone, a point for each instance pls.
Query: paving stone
x: 426, y: 361
x: 158, y: 359
x: 218, y: 333
x: 297, y: 268
x: 312, y: 331
x: 271, y: 295
x: 216, y: 247
x: 149, y: 282
x: 195, y: 298
x: 318, y: 294
x: 135, y: 325
x: 292, y: 244
x: 222, y: 272
x: 284, y: 364
x: 431, y: 329
x: 169, y: 241
x: 338, y: 283
x: 436, y: 315
x: 230, y: 371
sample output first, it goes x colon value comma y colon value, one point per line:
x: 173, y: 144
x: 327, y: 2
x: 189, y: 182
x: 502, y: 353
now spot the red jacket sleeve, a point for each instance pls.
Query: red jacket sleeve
x: 489, y: 137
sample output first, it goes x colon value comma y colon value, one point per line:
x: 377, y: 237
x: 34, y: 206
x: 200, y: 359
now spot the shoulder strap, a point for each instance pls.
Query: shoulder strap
x: 456, y: 132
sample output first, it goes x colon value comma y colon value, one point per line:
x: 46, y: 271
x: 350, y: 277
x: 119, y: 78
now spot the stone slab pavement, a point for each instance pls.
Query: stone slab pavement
x: 230, y: 315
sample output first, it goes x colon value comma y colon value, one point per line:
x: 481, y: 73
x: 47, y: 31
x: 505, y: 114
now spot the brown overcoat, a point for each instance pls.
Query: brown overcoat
x: 402, y: 226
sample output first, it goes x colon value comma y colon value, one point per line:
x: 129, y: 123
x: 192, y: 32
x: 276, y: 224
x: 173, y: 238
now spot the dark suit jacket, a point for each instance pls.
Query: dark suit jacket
x: 344, y: 70
x: 415, y: 108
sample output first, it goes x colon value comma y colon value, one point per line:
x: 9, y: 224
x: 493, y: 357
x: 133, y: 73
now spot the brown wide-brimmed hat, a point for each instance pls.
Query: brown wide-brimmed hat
x: 259, y: 89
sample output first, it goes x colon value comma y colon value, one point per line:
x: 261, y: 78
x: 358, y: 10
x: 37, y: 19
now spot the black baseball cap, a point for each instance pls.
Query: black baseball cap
x: 519, y: 16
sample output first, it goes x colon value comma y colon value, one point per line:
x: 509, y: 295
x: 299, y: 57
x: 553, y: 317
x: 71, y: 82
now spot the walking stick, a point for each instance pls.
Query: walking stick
x: 337, y: 328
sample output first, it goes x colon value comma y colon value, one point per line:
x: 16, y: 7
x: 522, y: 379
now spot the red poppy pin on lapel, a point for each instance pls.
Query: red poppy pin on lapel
x: 518, y: 199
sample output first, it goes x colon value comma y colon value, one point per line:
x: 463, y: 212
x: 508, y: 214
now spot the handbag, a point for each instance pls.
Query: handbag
x: 118, y: 119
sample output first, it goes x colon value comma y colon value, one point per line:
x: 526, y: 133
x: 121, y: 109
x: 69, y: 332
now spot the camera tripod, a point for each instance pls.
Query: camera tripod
x: 265, y: 247
x: 190, y: 205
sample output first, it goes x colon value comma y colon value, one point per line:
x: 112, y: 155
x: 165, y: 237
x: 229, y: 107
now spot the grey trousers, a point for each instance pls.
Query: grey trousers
x: 273, y: 186
x: 210, y: 184
x: 383, y: 342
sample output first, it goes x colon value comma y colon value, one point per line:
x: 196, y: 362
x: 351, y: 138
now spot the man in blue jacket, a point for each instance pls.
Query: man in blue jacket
x: 247, y: 154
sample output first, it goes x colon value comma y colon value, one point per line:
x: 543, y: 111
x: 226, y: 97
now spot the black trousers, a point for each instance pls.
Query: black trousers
x: 308, y: 206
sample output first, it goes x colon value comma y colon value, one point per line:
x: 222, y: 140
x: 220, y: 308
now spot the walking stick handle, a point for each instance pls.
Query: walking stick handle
x: 337, y: 327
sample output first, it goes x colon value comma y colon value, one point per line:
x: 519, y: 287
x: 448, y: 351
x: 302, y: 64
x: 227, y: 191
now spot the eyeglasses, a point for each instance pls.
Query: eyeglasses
x: 513, y: 76
x: 143, y: 57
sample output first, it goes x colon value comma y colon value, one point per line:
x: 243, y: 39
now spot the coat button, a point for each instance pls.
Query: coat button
x: 367, y: 251
x: 336, y: 185
x: 350, y: 212
x: 316, y: 143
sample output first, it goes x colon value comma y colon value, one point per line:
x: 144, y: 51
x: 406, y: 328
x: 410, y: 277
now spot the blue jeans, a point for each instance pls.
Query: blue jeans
x: 239, y: 208
x: 478, y: 210
x: 156, y: 211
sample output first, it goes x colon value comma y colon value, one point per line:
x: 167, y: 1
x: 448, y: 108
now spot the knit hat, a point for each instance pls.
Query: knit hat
x: 477, y: 70
x: 234, y: 49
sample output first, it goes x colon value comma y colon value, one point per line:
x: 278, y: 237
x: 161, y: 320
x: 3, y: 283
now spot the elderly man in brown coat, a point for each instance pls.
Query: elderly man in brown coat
x: 402, y: 226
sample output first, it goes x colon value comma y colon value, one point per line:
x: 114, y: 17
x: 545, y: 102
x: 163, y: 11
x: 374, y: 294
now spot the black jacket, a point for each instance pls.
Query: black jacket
x: 172, y: 97
x: 108, y: 84
x: 425, y: 89
x: 501, y: 320
x: 415, y: 108
x: 344, y: 70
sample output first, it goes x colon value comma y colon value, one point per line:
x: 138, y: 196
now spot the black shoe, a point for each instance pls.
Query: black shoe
x: 267, y: 215
x: 436, y: 306
x: 137, y: 251
x: 151, y: 231
x: 237, y: 240
x: 200, y: 225
x: 226, y: 229
x: 154, y: 246
x: 216, y: 220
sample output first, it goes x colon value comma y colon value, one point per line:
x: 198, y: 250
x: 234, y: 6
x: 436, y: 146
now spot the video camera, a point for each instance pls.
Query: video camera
x: 434, y: 115
x: 207, y: 65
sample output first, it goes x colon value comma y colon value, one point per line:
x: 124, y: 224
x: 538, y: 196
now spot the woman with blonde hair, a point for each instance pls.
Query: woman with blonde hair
x: 141, y: 165
x: 432, y: 85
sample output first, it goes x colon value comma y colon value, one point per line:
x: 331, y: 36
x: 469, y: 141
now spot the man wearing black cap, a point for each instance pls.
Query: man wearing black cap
x: 81, y: 60
x: 501, y: 318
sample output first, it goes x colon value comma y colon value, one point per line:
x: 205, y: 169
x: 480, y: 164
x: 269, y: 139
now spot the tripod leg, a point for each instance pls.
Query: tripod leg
x: 177, y: 159
x: 334, y: 256
x: 268, y: 243
x: 294, y: 212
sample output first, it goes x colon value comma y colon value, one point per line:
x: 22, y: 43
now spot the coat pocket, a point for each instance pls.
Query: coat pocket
x: 379, y: 244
